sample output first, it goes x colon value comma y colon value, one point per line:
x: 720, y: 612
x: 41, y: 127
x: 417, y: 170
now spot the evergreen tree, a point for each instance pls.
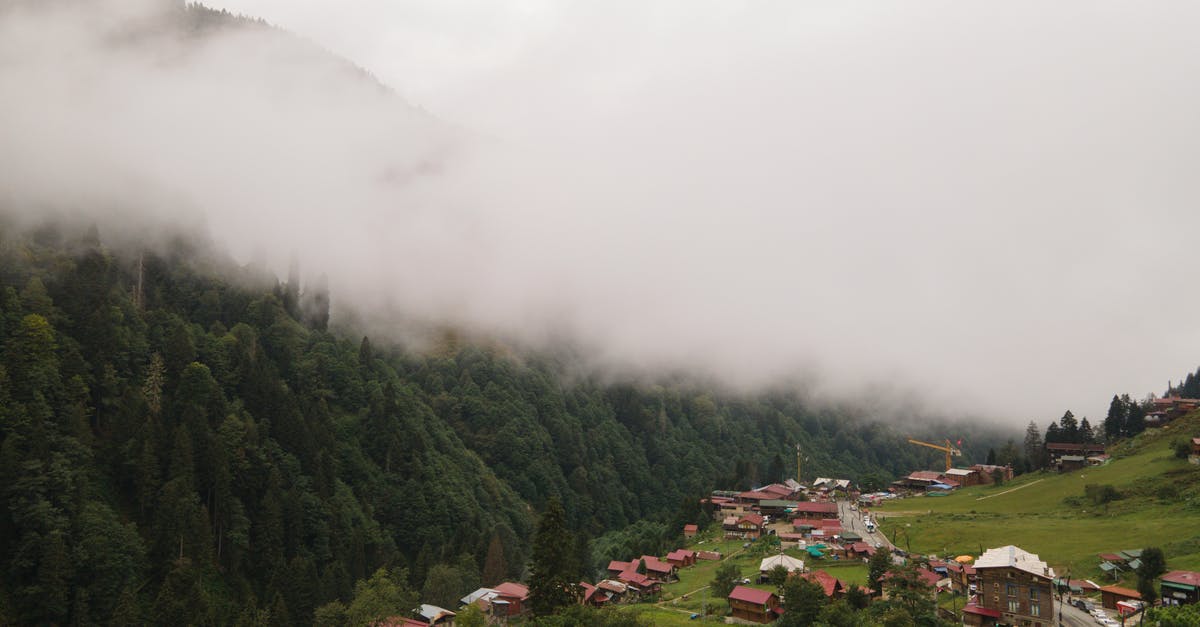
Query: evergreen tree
x: 877, y: 567
x: 1086, y: 434
x: 803, y: 602
x: 1035, y: 450
x: 495, y: 570
x: 1114, y: 422
x: 550, y: 583
x: 1070, y: 428
x: 725, y: 579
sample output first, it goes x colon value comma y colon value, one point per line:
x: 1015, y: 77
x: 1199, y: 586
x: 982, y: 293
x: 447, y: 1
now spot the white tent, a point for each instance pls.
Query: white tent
x: 787, y: 561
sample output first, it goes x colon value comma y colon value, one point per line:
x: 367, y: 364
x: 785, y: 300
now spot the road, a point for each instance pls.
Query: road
x: 852, y: 521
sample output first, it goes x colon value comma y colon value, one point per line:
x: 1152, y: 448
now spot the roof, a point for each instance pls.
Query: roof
x: 1011, y: 556
x: 924, y: 475
x: 850, y: 535
x: 1183, y: 577
x: 1073, y: 458
x: 1122, y: 592
x: 777, y: 489
x: 482, y: 593
x: 786, y: 561
x: 1112, y: 557
x: 612, y: 586
x: 687, y: 528
x: 961, y: 472
x: 828, y: 583
x: 656, y: 565
x: 776, y: 503
x: 1070, y: 446
x: 971, y: 608
x: 754, y: 519
x: 433, y: 613
x: 817, y: 508
x: 755, y: 495
x: 680, y: 554
x: 514, y: 590
x: 750, y: 595
x: 618, y: 565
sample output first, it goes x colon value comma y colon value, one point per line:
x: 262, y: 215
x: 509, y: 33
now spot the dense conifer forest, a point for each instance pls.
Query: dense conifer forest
x: 183, y: 437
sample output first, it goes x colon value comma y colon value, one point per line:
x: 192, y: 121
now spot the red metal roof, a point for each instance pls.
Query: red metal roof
x: 680, y: 554
x: 1111, y: 557
x: 971, y: 608
x: 924, y: 475
x: 753, y: 519
x: 691, y: 528
x: 514, y: 590
x: 750, y: 595
x: 828, y: 582
x: 1185, y: 577
x: 1122, y: 592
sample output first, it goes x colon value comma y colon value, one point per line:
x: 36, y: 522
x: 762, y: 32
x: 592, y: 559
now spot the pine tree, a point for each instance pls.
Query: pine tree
x: 550, y: 584
x: 1086, y: 434
x: 1035, y: 451
x: 495, y: 570
x: 1070, y: 428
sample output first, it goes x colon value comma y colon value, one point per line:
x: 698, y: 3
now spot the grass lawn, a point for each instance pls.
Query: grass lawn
x: 1046, y: 512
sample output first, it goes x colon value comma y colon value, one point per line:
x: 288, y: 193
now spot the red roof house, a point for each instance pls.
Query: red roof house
x: 752, y: 604
x: 690, y: 531
x: 832, y: 586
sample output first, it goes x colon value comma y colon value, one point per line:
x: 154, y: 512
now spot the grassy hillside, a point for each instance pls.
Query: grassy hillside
x: 1049, y: 514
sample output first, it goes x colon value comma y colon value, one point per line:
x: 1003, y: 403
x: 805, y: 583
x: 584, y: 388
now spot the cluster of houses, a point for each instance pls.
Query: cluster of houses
x: 1165, y: 410
x: 1068, y: 456
x: 934, y: 482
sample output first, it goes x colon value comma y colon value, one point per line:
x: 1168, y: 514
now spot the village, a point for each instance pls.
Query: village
x: 826, y: 531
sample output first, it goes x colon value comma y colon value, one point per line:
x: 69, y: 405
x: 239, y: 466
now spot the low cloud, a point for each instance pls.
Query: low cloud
x: 992, y: 206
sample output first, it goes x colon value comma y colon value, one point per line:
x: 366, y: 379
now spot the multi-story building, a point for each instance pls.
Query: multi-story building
x: 1015, y: 588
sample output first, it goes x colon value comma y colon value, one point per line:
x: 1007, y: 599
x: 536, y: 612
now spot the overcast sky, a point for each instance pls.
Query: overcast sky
x: 992, y: 203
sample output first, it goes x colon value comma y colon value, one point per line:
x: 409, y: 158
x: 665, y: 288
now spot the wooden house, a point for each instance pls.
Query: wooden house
x: 1014, y: 587
x: 754, y: 605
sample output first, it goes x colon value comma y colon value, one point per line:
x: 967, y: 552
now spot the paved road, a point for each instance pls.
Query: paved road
x: 852, y: 521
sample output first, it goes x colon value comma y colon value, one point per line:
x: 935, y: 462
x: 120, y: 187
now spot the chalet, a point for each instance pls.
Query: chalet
x: 815, y: 511
x: 964, y: 477
x: 768, y: 564
x: 663, y: 571
x: 1110, y: 596
x: 1180, y: 587
x: 988, y: 473
x: 749, y: 527
x: 1014, y: 587
x: 1173, y: 407
x: 918, y: 480
x: 756, y: 606
x: 712, y: 556
x: 1057, y: 450
x: 614, y: 591
x: 1067, y: 463
x: 861, y: 550
x: 515, y: 595
x: 681, y: 558
x: 833, y: 587
x: 690, y: 531
x: 730, y: 526
x: 639, y: 584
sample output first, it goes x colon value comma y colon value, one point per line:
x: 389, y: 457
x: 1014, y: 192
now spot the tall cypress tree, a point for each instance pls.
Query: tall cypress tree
x: 550, y: 583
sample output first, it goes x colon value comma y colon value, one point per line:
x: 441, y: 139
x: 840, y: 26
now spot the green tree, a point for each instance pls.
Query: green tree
x: 495, y: 569
x: 382, y: 596
x: 778, y: 576
x: 803, y: 601
x: 1153, y: 565
x: 725, y: 579
x: 181, y: 600
x: 877, y: 567
x: 550, y: 579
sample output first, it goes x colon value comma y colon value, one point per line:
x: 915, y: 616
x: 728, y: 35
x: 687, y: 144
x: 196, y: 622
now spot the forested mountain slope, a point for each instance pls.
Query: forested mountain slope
x: 201, y: 444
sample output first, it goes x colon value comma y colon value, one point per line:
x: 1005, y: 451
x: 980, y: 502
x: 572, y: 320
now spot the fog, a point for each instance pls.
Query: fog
x: 990, y: 206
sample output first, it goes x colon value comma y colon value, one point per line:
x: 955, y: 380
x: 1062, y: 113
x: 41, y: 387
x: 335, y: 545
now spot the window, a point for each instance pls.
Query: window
x: 1014, y: 606
x: 1033, y: 594
x: 1012, y: 589
x: 1035, y: 609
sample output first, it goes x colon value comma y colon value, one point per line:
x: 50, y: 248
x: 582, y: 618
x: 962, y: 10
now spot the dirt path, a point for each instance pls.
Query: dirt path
x: 1012, y: 490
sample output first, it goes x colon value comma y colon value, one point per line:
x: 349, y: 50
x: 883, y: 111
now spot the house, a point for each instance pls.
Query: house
x: 932, y: 580
x: 1180, y: 587
x: 861, y: 550
x: 757, y: 606
x: 918, y: 480
x: 833, y: 587
x: 752, y: 497
x: 435, y: 615
x: 1014, y: 586
x: 1056, y: 450
x: 515, y: 595
x: 749, y: 527
x: 614, y: 591
x: 1173, y: 407
x: 711, y: 556
x: 1110, y: 596
x: 681, y: 558
x: 807, y: 510
x: 988, y: 473
x: 690, y: 531
x: 1067, y: 463
x: 768, y: 564
x: 660, y: 570
x: 964, y: 477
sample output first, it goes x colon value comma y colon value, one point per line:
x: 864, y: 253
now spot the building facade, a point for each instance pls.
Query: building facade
x: 1015, y: 588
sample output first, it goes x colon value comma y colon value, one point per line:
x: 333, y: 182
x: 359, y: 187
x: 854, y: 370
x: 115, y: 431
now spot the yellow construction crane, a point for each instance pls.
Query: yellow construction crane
x: 949, y: 449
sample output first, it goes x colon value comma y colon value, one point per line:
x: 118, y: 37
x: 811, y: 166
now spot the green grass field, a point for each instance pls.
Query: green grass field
x: 1046, y: 513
